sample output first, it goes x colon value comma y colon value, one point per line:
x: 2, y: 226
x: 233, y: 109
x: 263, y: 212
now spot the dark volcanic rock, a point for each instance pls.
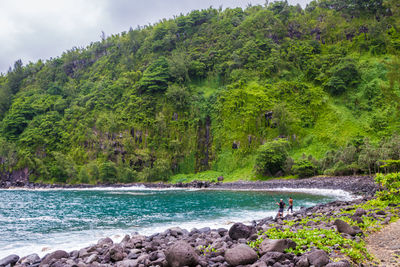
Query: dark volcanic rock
x: 343, y: 263
x: 344, y: 227
x: 11, y: 259
x: 240, y: 255
x: 56, y: 255
x: 30, y: 259
x: 318, y: 258
x: 278, y: 245
x: 239, y: 230
x: 181, y: 254
x: 271, y: 257
x: 360, y: 212
x: 105, y: 241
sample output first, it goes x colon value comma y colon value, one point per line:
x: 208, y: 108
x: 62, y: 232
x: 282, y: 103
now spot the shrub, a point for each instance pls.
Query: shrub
x: 391, y: 185
x: 271, y: 157
x: 304, y: 168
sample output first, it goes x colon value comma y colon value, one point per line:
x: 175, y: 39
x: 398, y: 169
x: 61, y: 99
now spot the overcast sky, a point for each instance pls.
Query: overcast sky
x: 40, y: 29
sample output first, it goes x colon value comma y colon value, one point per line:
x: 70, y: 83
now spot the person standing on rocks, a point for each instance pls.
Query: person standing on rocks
x: 290, y: 205
x: 281, y: 208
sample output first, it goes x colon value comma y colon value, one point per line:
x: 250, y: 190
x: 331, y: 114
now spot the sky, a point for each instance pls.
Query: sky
x: 40, y: 29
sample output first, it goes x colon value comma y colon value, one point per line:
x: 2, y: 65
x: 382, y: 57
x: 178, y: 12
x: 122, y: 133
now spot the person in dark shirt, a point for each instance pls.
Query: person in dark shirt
x: 281, y: 205
x: 290, y: 205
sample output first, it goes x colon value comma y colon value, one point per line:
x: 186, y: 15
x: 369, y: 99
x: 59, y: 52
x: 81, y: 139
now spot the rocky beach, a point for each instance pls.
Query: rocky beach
x: 240, y: 245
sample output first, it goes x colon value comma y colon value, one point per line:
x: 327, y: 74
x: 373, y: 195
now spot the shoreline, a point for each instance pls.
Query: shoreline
x: 206, y: 235
x: 356, y: 185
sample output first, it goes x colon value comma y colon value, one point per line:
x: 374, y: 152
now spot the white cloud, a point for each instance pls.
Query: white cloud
x: 40, y: 29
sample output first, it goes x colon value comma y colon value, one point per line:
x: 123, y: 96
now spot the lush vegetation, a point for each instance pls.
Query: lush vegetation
x: 209, y: 92
x: 387, y: 199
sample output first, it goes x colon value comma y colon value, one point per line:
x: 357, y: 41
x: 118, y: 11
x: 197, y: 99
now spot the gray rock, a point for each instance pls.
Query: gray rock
x: 11, y: 259
x: 105, y: 241
x: 241, y: 255
x: 222, y: 231
x: 239, y: 230
x: 127, y: 263
x: 181, y: 254
x: 318, y: 258
x: 56, y: 255
x: 116, y: 252
x: 259, y: 264
x: 344, y: 227
x: 302, y: 262
x: 278, y: 245
x: 360, y: 212
x: 30, y: 259
x: 271, y: 257
x: 342, y: 263
x: 91, y: 259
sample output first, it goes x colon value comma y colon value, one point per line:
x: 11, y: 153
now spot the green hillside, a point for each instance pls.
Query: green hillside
x: 245, y: 94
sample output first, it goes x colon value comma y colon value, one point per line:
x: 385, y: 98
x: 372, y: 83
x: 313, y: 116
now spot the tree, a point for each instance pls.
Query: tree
x: 271, y: 157
x: 156, y: 77
x: 15, y: 76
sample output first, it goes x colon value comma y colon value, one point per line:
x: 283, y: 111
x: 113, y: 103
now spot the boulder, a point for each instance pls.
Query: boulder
x: 302, y: 262
x: 342, y: 263
x: 344, y: 227
x: 11, y: 259
x: 30, y: 259
x: 360, y: 212
x: 278, y: 245
x: 239, y: 230
x: 271, y: 257
x: 56, y: 255
x: 318, y: 258
x: 105, y: 241
x: 181, y: 254
x: 116, y: 252
x: 240, y: 255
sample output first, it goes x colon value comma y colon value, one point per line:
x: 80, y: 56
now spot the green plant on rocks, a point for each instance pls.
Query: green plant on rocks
x: 323, y: 239
x: 391, y: 184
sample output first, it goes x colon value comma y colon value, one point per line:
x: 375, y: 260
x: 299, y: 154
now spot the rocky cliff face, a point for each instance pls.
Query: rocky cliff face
x: 15, y: 178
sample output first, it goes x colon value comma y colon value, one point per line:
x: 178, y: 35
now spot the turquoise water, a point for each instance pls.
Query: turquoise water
x: 44, y: 220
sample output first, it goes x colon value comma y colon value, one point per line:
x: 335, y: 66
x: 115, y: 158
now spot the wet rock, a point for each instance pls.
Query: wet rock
x: 30, y: 259
x: 105, y: 241
x: 344, y: 227
x: 239, y: 230
x: 11, y: 259
x: 240, y: 255
x: 278, y: 245
x: 318, y: 258
x: 56, y: 255
x: 181, y: 254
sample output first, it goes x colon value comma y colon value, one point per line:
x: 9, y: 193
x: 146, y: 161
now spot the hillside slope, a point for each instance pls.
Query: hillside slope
x: 206, y: 92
